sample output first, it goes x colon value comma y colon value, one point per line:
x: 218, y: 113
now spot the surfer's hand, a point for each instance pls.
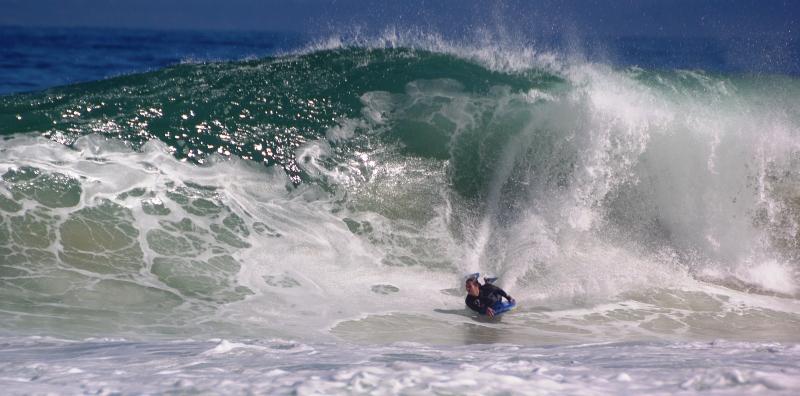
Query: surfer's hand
x: 511, y: 299
x: 489, y: 312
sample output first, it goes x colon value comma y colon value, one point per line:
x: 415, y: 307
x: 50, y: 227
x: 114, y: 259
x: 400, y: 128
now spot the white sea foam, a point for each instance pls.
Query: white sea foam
x: 269, y: 367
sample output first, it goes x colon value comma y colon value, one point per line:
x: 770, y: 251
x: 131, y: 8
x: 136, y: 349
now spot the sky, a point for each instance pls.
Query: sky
x: 670, y: 18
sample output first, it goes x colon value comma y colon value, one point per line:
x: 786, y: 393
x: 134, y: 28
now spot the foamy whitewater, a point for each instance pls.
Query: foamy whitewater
x: 302, y: 225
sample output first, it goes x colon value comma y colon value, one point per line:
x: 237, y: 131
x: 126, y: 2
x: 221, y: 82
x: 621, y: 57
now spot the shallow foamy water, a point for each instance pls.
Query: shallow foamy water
x: 40, y: 365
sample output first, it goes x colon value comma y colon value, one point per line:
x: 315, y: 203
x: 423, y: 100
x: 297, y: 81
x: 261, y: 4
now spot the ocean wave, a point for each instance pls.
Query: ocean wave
x: 393, y: 166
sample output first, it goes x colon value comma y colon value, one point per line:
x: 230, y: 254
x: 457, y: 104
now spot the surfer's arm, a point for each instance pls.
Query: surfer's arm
x: 473, y: 305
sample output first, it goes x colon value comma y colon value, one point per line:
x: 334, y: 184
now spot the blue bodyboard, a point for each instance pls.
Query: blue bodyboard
x: 503, y: 307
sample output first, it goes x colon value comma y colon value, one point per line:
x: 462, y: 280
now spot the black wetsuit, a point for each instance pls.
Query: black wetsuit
x: 489, y: 296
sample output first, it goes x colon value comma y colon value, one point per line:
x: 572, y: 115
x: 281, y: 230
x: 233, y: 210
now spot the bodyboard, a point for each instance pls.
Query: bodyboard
x: 503, y: 307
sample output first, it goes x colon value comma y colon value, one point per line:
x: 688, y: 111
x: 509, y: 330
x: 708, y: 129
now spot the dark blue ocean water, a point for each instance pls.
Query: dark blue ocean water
x: 37, y: 58
x: 33, y: 59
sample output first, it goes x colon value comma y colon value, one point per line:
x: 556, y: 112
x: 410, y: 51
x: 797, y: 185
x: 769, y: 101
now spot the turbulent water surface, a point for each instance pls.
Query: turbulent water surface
x: 309, y: 218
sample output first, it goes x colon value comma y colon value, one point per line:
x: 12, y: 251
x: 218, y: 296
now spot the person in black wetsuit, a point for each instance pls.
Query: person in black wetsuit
x: 482, y: 298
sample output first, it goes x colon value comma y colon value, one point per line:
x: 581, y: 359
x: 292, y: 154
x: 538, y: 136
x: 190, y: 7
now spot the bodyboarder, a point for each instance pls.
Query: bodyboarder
x: 485, y: 299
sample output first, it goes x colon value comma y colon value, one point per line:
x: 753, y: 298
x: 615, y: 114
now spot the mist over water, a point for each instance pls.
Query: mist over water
x: 341, y: 193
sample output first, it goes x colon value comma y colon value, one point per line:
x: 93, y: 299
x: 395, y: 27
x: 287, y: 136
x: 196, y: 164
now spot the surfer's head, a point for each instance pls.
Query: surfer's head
x: 473, y: 287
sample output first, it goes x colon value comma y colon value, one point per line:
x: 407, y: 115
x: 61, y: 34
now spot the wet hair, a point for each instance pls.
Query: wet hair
x: 472, y: 280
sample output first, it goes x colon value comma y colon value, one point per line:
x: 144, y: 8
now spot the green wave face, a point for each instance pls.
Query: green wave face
x: 258, y: 110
